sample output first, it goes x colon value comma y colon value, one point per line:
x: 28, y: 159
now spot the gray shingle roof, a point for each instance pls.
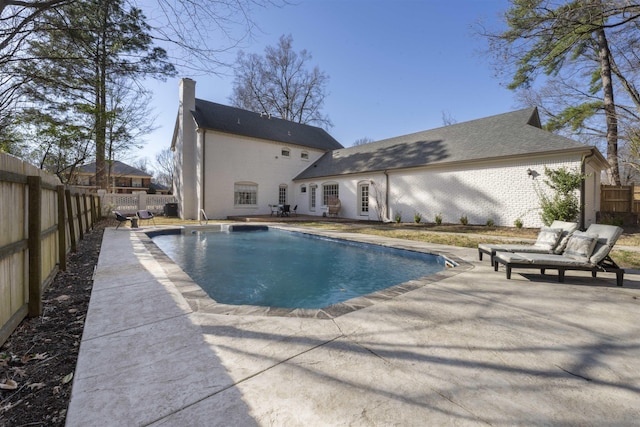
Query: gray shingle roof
x: 118, y: 168
x: 210, y: 115
x: 516, y: 133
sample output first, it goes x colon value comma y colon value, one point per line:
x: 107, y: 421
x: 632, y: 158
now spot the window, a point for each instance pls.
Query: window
x: 312, y: 197
x: 136, y: 182
x: 285, y: 152
x: 245, y: 194
x: 282, y: 195
x: 363, y: 196
x: 304, y: 155
x: 303, y: 188
x: 328, y: 191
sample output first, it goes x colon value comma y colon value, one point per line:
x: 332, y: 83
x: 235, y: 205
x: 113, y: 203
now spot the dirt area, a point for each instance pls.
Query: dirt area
x: 38, y: 360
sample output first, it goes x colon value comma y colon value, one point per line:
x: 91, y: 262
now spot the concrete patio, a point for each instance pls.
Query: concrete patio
x: 470, y: 348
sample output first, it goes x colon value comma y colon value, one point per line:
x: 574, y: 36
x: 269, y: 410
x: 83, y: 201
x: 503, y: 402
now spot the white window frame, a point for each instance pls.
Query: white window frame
x: 328, y: 190
x: 363, y: 205
x: 282, y: 194
x: 245, y: 194
x: 285, y: 152
x: 304, y: 155
x: 312, y: 197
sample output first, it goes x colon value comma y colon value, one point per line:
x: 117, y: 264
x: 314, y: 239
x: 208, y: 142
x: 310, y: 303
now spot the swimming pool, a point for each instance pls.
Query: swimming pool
x: 277, y: 268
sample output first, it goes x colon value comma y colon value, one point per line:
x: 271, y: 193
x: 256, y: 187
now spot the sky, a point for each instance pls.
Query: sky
x: 394, y: 67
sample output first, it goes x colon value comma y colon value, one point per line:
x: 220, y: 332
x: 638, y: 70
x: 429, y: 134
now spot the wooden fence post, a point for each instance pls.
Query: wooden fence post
x: 62, y: 234
x: 72, y: 228
x: 35, y: 246
x: 86, y: 212
x: 99, y: 206
x: 92, y: 202
x: 81, y: 232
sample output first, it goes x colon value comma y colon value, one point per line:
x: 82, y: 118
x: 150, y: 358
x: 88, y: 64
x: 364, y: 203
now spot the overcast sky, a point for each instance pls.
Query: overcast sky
x: 395, y: 66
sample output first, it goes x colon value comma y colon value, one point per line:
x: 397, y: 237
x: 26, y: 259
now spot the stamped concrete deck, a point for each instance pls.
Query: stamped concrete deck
x: 470, y: 348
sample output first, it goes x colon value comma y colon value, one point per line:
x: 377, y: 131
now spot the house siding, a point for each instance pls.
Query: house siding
x: 502, y: 191
x: 185, y: 160
x: 232, y: 159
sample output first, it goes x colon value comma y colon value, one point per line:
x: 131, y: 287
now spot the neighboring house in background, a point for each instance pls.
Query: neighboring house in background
x: 236, y: 162
x: 123, y: 178
x: 155, y: 188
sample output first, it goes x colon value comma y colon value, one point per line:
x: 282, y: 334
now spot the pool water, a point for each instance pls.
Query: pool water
x: 278, y: 268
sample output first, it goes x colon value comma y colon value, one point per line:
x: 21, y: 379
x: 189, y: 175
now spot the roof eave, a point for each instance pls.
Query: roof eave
x: 583, y: 151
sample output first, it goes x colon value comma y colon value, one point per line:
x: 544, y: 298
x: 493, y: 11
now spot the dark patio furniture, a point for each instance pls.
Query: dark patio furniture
x: 588, y: 251
x: 120, y: 218
x: 145, y: 215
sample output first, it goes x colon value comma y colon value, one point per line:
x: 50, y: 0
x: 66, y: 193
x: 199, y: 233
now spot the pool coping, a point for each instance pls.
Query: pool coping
x: 199, y: 301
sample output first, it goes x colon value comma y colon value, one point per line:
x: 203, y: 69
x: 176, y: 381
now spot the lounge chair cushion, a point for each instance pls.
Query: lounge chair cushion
x: 488, y: 248
x: 607, y: 237
x: 541, y: 259
x: 548, y: 238
x: 567, y: 230
x: 580, y: 246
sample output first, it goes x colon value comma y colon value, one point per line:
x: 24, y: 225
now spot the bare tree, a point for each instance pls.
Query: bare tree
x: 281, y: 83
x: 362, y: 141
x: 448, y: 119
x: 199, y: 35
x: 164, y: 167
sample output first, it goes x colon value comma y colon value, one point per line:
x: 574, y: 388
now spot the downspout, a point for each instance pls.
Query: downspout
x: 583, y: 187
x: 386, y: 193
x: 203, y: 164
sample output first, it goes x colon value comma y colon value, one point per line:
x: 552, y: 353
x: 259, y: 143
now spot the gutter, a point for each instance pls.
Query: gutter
x: 386, y: 193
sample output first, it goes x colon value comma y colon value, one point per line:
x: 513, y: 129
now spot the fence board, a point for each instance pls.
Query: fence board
x: 35, y: 224
x: 617, y: 198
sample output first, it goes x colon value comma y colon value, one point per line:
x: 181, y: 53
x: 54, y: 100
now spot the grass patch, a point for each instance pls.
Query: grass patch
x: 459, y: 235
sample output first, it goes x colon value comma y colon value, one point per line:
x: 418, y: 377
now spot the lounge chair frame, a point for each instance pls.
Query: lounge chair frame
x: 146, y: 215
x: 491, y: 251
x: 607, y: 265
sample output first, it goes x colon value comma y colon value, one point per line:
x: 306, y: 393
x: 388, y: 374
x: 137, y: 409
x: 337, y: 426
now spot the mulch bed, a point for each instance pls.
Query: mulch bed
x: 39, y: 358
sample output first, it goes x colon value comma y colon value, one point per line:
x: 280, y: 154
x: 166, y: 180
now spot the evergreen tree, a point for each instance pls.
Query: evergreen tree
x: 552, y: 37
x: 86, y: 52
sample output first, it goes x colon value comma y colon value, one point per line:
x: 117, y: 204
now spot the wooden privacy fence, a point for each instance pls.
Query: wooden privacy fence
x: 40, y: 222
x: 623, y: 199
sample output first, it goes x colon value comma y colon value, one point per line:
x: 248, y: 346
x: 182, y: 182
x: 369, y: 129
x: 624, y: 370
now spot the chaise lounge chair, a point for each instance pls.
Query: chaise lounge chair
x: 585, y: 251
x: 552, y: 239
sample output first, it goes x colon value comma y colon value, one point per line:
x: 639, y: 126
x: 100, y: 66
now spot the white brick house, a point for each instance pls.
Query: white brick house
x: 235, y: 162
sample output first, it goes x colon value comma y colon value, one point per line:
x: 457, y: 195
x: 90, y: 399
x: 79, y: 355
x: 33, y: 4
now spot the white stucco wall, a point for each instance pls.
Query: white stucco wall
x: 591, y: 194
x: 502, y: 191
x: 229, y: 159
x: 185, y: 158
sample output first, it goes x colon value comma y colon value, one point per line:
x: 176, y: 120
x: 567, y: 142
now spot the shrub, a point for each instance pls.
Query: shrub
x: 612, y: 221
x: 518, y: 223
x: 490, y: 223
x: 438, y: 219
x: 563, y: 205
x: 464, y: 220
x: 398, y: 216
x: 417, y: 217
